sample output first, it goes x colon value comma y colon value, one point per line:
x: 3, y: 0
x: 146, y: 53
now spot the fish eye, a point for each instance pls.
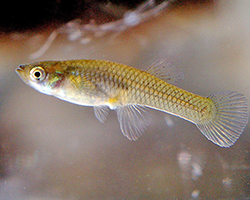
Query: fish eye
x: 37, y: 74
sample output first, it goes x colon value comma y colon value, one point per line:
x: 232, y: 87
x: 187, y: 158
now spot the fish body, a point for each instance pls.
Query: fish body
x: 220, y: 117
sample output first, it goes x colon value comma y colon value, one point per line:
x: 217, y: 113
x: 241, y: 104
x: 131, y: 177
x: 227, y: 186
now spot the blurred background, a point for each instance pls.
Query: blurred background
x: 51, y: 149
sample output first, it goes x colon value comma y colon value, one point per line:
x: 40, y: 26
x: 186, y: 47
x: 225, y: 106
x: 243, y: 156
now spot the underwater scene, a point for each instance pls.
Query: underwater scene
x: 56, y: 148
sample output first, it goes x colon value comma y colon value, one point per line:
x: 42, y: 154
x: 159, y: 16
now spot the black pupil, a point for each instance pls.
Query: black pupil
x: 37, y: 74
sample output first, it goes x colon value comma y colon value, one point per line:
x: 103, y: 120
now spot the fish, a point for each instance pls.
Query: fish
x: 106, y: 85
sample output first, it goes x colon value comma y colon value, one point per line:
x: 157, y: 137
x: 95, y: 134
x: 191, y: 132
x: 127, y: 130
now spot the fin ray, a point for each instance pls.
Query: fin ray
x: 133, y: 120
x: 231, y: 117
x: 101, y: 113
x: 165, y: 70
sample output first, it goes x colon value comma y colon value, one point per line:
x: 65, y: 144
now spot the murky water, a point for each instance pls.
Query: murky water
x: 51, y: 149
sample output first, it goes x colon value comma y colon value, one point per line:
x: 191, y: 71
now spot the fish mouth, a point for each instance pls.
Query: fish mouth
x: 20, y: 69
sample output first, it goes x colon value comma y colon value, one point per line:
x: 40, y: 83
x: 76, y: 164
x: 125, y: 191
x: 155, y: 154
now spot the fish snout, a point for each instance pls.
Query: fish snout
x: 20, y: 68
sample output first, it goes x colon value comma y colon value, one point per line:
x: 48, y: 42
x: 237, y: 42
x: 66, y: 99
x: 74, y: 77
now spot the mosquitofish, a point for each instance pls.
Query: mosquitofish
x: 221, y: 117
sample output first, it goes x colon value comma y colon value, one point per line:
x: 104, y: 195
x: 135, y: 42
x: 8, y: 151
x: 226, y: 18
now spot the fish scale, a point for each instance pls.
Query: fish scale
x: 221, y: 117
x: 169, y: 103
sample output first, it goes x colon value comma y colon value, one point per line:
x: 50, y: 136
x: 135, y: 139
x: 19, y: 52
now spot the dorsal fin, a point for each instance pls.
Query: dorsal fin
x: 165, y: 70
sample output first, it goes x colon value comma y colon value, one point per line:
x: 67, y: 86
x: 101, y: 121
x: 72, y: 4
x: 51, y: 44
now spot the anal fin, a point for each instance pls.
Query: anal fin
x: 133, y: 120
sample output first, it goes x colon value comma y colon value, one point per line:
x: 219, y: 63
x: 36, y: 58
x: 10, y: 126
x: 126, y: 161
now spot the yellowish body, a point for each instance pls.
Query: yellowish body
x: 220, y: 117
x: 95, y: 83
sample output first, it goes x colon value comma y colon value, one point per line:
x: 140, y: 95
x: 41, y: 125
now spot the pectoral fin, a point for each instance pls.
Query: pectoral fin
x: 132, y: 120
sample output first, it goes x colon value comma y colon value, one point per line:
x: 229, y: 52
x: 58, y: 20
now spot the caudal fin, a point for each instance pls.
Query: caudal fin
x: 231, y: 117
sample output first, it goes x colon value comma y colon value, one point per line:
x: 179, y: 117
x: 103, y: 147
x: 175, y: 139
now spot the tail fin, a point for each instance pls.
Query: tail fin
x: 231, y: 117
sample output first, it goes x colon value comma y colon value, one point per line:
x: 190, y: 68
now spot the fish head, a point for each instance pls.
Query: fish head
x: 42, y: 76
